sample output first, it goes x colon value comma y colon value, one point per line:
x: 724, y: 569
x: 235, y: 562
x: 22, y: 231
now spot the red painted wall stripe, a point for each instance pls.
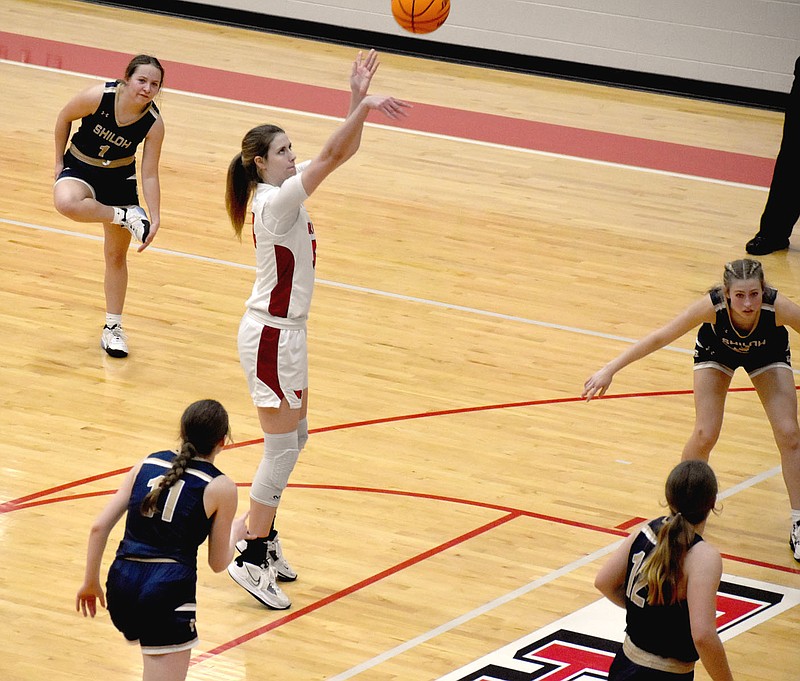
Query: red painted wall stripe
x: 526, y: 134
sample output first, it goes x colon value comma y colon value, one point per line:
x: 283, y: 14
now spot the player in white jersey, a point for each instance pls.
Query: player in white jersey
x: 272, y: 334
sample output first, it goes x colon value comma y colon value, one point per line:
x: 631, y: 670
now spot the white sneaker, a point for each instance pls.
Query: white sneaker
x: 285, y: 571
x: 260, y: 582
x: 794, y: 541
x: 136, y: 222
x: 114, y: 341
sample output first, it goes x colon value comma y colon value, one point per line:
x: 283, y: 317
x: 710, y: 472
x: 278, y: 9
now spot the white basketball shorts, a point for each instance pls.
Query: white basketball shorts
x: 275, y: 362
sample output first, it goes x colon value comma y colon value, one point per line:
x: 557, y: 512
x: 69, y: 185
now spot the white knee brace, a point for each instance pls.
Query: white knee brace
x: 272, y: 476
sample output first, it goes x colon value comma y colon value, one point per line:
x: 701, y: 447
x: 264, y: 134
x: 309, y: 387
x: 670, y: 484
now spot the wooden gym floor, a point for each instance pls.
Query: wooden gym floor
x: 475, y: 266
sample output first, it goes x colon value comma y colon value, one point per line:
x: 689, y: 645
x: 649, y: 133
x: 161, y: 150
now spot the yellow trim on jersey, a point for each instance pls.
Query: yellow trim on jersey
x: 98, y: 162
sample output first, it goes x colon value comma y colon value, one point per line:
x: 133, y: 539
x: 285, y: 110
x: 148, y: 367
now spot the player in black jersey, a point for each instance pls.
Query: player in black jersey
x: 173, y: 502
x: 666, y: 577
x: 742, y: 324
x: 96, y: 176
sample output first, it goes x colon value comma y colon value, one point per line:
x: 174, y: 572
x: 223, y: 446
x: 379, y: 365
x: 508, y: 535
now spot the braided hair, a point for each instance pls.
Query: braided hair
x: 740, y: 270
x: 204, y: 425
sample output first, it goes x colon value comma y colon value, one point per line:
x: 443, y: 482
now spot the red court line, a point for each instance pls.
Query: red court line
x: 316, y: 605
x: 510, y: 514
x: 628, y: 524
x: 526, y: 134
x: 21, y: 502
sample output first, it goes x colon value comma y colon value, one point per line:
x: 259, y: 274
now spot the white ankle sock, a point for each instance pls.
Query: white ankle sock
x: 113, y: 320
x: 119, y: 215
x: 795, y: 516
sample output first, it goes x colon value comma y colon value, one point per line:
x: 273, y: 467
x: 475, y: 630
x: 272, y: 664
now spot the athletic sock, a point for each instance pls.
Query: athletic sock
x: 119, y: 215
x: 113, y: 320
x: 255, y: 552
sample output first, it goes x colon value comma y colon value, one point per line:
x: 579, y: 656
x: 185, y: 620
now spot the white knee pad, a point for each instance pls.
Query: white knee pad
x: 272, y: 476
x: 302, y: 433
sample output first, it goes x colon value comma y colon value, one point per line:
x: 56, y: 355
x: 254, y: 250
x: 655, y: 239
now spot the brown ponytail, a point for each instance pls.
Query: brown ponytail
x: 243, y: 175
x: 691, y: 491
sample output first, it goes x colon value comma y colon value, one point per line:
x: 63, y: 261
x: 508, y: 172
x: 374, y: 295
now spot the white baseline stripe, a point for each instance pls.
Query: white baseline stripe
x: 483, y: 609
x: 420, y: 133
x: 745, y: 484
x: 354, y: 288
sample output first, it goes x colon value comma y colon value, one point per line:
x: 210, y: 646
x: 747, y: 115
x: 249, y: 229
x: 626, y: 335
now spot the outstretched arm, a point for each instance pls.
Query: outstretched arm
x: 787, y: 313
x: 344, y: 142
x: 697, y: 313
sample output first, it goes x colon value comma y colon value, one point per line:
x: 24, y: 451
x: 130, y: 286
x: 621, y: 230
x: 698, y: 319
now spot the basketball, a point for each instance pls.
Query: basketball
x: 420, y: 16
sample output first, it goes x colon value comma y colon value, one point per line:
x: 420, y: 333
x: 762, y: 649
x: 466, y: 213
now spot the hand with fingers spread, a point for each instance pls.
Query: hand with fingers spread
x: 389, y: 106
x: 361, y: 75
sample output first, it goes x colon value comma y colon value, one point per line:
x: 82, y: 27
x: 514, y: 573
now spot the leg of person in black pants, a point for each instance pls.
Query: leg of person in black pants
x: 783, y: 201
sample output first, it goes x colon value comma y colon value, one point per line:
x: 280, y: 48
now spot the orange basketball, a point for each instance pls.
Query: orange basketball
x: 420, y: 16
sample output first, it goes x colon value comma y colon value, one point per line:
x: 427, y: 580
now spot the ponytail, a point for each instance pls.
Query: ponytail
x: 691, y: 491
x: 663, y: 569
x: 238, y: 188
x: 243, y: 173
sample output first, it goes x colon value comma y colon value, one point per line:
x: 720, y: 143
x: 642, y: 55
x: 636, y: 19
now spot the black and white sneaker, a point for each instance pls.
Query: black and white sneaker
x: 114, y: 341
x: 136, y: 222
x: 794, y: 541
x: 285, y: 571
x: 260, y: 582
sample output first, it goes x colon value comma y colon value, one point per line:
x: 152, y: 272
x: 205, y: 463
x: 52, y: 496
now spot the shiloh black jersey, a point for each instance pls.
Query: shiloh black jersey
x: 102, y: 141
x: 663, y: 630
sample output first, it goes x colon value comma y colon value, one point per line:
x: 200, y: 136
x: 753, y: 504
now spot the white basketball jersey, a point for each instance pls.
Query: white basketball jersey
x: 285, y: 255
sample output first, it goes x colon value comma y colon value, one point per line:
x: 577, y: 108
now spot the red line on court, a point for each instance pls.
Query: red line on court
x: 526, y: 134
x: 509, y: 514
x: 353, y: 588
x: 31, y: 499
x: 628, y: 524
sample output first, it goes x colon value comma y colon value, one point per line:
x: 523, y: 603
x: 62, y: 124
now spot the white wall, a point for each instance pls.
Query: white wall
x: 751, y: 43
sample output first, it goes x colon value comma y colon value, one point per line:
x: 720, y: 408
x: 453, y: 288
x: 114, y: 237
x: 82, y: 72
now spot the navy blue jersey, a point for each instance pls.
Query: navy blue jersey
x: 663, y: 630
x: 101, y: 140
x: 181, y: 524
x: 721, y: 344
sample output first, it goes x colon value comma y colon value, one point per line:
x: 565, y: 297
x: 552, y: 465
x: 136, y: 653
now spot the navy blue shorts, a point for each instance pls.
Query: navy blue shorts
x: 110, y: 186
x: 154, y: 604
x: 709, y: 352
x: 622, y: 669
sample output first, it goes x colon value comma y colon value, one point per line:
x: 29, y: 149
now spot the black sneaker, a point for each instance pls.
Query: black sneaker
x: 761, y: 245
